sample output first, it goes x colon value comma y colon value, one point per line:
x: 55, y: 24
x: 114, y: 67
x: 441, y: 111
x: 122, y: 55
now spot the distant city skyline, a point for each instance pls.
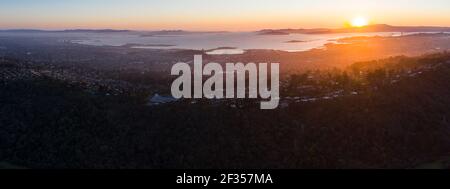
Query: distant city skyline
x: 230, y: 15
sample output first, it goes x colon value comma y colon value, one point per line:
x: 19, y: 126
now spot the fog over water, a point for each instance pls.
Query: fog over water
x: 223, y: 43
x: 213, y: 42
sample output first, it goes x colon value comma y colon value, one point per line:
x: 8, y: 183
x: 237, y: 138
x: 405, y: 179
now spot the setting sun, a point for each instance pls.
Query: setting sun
x: 359, y: 22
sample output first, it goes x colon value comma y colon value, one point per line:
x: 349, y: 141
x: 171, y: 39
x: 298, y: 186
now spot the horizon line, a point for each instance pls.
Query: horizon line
x: 184, y: 30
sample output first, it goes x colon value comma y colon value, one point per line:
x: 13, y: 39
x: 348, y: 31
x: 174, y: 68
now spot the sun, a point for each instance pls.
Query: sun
x: 359, y: 22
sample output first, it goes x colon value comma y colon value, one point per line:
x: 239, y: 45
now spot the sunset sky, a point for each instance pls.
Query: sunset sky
x: 231, y: 15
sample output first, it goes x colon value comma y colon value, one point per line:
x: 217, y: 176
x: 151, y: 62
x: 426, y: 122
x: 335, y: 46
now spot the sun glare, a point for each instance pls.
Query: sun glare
x: 359, y: 22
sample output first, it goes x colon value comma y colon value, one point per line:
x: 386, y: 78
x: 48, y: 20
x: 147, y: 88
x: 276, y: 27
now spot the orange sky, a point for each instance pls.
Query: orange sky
x: 231, y: 15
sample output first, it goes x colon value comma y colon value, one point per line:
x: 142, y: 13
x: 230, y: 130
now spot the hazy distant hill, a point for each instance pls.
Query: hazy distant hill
x: 68, y: 31
x: 22, y: 30
x: 96, y: 31
x: 141, y: 33
x: 370, y: 28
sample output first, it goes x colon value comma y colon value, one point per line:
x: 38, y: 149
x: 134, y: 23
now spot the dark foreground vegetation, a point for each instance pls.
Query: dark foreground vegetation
x: 397, y: 117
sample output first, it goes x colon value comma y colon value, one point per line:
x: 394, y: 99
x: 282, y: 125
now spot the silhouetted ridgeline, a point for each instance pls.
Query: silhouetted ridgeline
x: 397, y: 116
x: 365, y: 29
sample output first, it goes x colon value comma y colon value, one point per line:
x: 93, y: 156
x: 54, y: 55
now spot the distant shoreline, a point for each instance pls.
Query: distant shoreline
x: 365, y: 29
x: 150, y: 33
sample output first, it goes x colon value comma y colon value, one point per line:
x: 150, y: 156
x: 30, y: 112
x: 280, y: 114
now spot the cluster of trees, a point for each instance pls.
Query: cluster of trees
x: 48, y: 124
x: 363, y: 76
